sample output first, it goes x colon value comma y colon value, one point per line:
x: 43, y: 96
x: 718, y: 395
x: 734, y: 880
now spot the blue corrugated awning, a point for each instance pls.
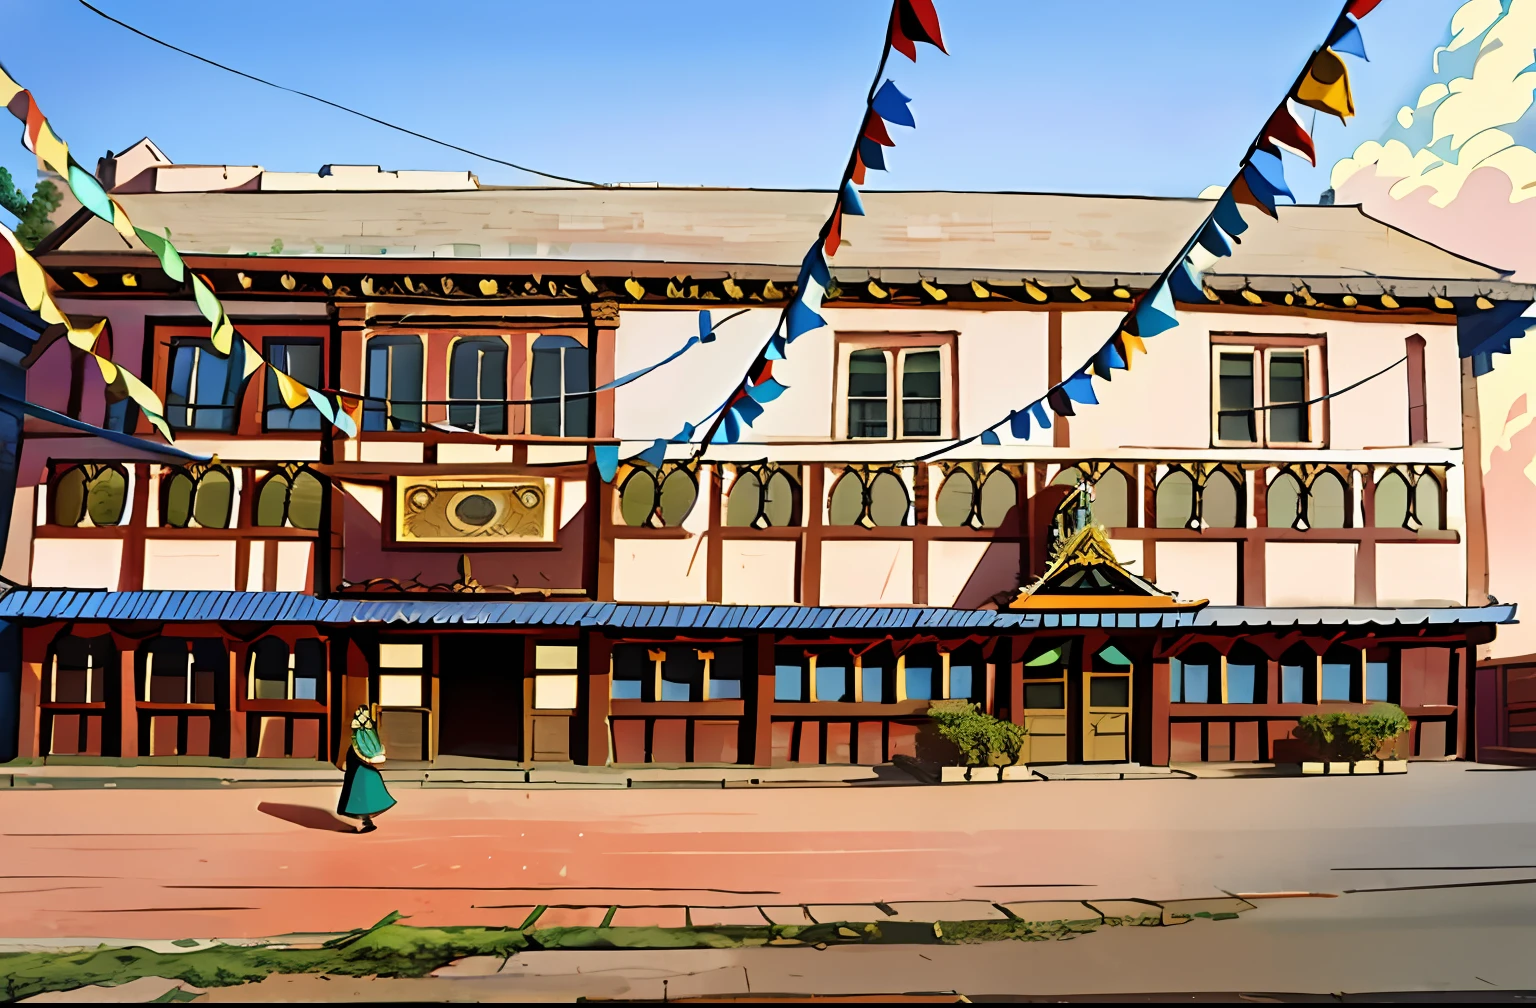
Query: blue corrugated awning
x: 296, y: 607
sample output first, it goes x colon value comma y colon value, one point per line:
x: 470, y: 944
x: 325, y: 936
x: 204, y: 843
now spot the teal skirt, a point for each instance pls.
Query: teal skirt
x: 363, y: 792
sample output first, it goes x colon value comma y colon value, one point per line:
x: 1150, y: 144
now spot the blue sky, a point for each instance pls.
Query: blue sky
x: 1155, y: 97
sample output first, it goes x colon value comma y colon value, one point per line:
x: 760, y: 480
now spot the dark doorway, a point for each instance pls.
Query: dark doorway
x: 480, y: 683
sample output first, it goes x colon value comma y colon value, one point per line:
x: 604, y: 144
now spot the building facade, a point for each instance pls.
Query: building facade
x: 1281, y: 513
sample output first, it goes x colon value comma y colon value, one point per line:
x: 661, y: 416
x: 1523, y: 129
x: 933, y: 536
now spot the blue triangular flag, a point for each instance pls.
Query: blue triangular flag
x: 730, y: 429
x: 852, y: 204
x: 685, y: 435
x: 607, y: 456
x: 748, y: 409
x: 1273, y: 169
x: 656, y: 454
x: 1184, y: 285
x: 1345, y: 38
x: 1260, y: 187
x: 1213, y: 241
x: 706, y: 327
x: 1018, y: 424
x: 1228, y: 216
x: 814, y: 267
x: 1079, y: 388
x: 989, y: 437
x: 1042, y: 415
x: 1155, y: 313
x: 768, y: 391
x: 775, y: 349
x: 1109, y: 357
x: 801, y: 318
x: 872, y: 154
x: 891, y: 105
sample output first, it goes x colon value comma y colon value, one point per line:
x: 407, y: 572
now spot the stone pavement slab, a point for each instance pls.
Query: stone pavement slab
x: 650, y: 916
x: 1046, y: 911
x: 565, y: 916
x: 853, y: 913
x: 955, y: 910
x: 1131, y: 911
x: 728, y: 916
x: 787, y: 915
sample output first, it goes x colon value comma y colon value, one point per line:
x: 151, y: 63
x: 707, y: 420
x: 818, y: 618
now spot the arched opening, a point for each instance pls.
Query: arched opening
x: 888, y: 500
x: 1246, y: 667
x: 1327, y: 505
x: 214, y: 501
x: 999, y: 498
x: 781, y: 500
x: 1391, y: 502
x: 277, y: 674
x: 272, y: 501
x: 1175, y: 500
x: 176, y: 499
x: 1195, y: 676
x: 845, y: 505
x: 956, y: 499
x: 1426, y: 503
x: 1220, y: 505
x: 1283, y: 501
x: 1111, y: 499
x: 745, y: 501
x: 637, y: 497
x: 305, y: 499
x: 477, y: 372
x: 79, y: 668
x: 1298, y: 675
x: 679, y: 492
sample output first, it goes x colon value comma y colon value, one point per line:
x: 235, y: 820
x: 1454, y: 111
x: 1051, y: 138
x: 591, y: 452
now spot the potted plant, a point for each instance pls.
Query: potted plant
x: 989, y: 745
x: 1351, y: 742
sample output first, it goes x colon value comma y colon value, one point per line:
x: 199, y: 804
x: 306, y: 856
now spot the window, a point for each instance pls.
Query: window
x: 956, y: 500
x: 178, y: 670
x: 1283, y: 501
x: 202, y: 387
x: 657, y: 498
x: 197, y: 498
x: 1245, y: 671
x: 1338, y: 673
x: 89, y: 495
x: 299, y: 360
x: 477, y: 376
x: 292, y: 499
x: 1111, y: 499
x: 1175, y: 500
x: 555, y: 680
x: 873, y: 500
x: 1426, y: 503
x: 677, y: 673
x: 1220, y: 505
x: 1262, y: 393
x: 560, y: 378
x: 1298, y: 669
x: 1195, y: 676
x: 1391, y: 502
x: 896, y: 392
x: 791, y: 675
x: 1377, y: 676
x: 1328, y: 502
x: 79, y: 669
x: 1045, y: 672
x: 921, y: 673
x: 394, y: 384
x: 401, y: 670
x: 762, y: 498
x: 276, y: 673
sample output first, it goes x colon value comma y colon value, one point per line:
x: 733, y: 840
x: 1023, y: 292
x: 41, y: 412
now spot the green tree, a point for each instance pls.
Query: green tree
x: 33, y: 214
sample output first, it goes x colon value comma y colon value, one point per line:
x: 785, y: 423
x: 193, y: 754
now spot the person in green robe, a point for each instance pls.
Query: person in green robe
x: 363, y: 794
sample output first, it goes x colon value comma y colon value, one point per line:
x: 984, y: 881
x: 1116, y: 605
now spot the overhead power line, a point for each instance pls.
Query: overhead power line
x: 336, y: 105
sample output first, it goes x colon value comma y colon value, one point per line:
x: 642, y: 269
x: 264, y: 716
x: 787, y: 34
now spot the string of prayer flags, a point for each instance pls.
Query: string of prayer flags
x: 39, y: 137
x: 911, y: 22
x: 1260, y: 182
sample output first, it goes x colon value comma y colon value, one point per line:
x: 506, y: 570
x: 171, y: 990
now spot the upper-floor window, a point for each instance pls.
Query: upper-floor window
x: 652, y: 498
x: 560, y: 385
x: 477, y: 384
x: 762, y: 497
x: 869, y: 498
x: 300, y: 360
x: 202, y: 386
x: 1323, y: 503
x: 89, y: 494
x: 1416, y: 509
x: 198, y: 497
x: 895, y: 391
x: 977, y: 499
x: 1266, y: 390
x: 290, y: 497
x: 393, y: 398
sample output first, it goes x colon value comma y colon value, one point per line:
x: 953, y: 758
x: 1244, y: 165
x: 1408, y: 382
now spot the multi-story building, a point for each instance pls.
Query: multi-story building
x: 1289, y: 522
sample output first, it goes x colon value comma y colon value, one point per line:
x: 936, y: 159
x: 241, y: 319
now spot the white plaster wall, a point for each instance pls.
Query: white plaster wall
x: 193, y: 564
x: 1163, y: 401
x: 293, y: 560
x: 950, y: 566
x: 77, y: 563
x: 1199, y: 570
x: 1420, y: 574
x: 660, y: 570
x: 1507, y: 419
x: 758, y: 572
x: 866, y: 573
x: 1308, y: 574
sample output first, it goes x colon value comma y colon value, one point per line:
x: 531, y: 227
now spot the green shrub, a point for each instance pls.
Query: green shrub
x: 981, y: 738
x: 1348, y: 735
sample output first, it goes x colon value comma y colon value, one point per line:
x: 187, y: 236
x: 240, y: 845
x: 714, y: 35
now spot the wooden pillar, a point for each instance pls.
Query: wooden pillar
x: 354, y: 694
x: 1061, y: 432
x: 810, y: 539
x: 235, y: 689
x: 597, y: 651
x: 759, y: 721
x: 29, y: 714
x: 1464, y: 669
x: 128, y: 708
x: 1161, y: 710
x: 1472, y: 481
x: 1015, y: 685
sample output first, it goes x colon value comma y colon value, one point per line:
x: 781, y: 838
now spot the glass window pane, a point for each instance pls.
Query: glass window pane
x: 1336, y: 681
x: 1218, y: 502
x: 1045, y: 696
x: 69, y: 497
x: 1109, y: 691
x: 999, y: 498
x: 1426, y: 503
x: 846, y: 505
x: 1293, y: 683
x: 1241, y: 682
x: 920, y: 680
x: 544, y: 383
x: 678, y: 494
x: 1111, y: 500
x: 300, y: 361
x: 744, y: 501
x: 920, y: 417
x: 1197, y: 683
x: 637, y: 498
x: 578, y: 378
x: 1391, y: 502
x: 396, y: 690
x: 632, y: 669
x: 305, y: 500
x: 106, y: 497
x: 1287, y: 384
x: 1235, y: 393
x: 1175, y: 680
x: 866, y: 418
x: 789, y: 682
x: 214, y: 501
x: 920, y: 375
x: 832, y: 683
x: 866, y: 373
x: 309, y: 669
x: 1375, y: 680
x: 779, y: 508
x: 1283, y: 501
x: 872, y: 681
x: 1175, y: 500
x: 888, y: 500
x: 178, y: 500
x: 1327, y: 508
x: 955, y: 499
x: 962, y: 682
x: 271, y: 501
x: 725, y: 671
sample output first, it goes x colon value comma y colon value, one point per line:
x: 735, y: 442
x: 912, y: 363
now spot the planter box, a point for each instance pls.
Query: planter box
x: 1340, y: 769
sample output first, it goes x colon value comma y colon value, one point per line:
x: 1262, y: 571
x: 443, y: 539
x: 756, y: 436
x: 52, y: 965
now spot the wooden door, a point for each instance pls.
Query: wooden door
x: 1106, y: 716
x: 480, y: 696
x: 1045, y: 708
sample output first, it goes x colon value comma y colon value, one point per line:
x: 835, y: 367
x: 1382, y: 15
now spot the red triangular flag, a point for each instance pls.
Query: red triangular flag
x: 834, y: 232
x: 1284, y: 130
x: 1242, y: 193
x: 857, y: 175
x: 1360, y: 8
x: 874, y: 128
x: 914, y: 21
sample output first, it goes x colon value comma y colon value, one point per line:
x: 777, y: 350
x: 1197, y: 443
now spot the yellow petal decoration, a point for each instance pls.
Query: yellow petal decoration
x: 1443, y: 304
x: 446, y: 283
x: 86, y: 278
x: 1350, y: 300
x: 288, y: 282
x: 635, y: 290
x: 294, y: 395
x: 1325, y: 86
x: 588, y: 284
x: 130, y: 280
x: 1034, y: 291
x: 488, y: 287
x: 937, y: 293
x: 1483, y: 303
x: 366, y: 283
x: 1388, y: 301
x: 770, y: 292
x: 1078, y: 292
x: 980, y: 291
x: 245, y: 281
x: 1250, y: 296
x: 733, y: 289
x: 875, y: 290
x: 673, y: 290
x: 1121, y: 292
x: 325, y: 281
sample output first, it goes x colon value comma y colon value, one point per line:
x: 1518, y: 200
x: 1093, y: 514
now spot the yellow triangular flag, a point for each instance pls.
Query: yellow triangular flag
x: 294, y: 394
x: 1325, y: 86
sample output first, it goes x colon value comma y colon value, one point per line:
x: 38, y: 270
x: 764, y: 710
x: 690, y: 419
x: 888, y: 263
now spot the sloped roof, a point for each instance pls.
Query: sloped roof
x: 1006, y: 235
x: 1085, y: 573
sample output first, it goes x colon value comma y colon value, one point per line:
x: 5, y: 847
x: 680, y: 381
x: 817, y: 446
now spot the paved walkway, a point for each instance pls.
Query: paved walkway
x: 252, y: 862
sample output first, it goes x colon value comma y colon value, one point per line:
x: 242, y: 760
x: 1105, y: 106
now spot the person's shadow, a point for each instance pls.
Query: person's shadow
x: 307, y: 816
